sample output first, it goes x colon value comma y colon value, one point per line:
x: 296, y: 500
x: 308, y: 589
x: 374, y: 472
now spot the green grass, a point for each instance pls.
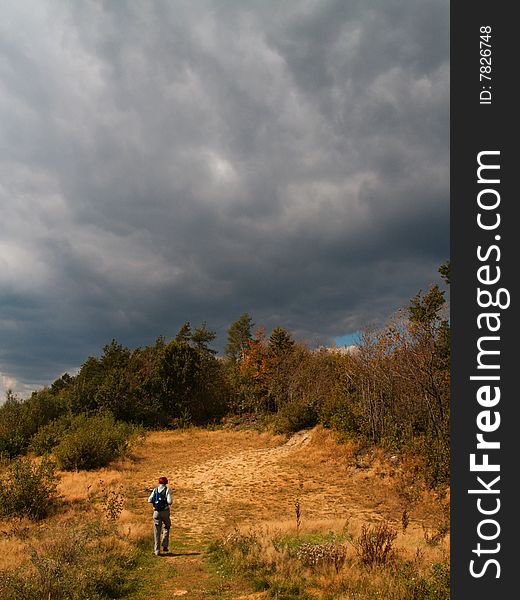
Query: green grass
x: 292, y: 542
x: 153, y: 575
x: 149, y: 572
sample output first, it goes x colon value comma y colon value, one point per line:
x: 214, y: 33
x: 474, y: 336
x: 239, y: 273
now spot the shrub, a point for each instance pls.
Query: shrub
x: 347, y: 419
x: 28, y: 489
x: 436, y: 455
x: 113, y: 502
x: 375, y: 543
x: 12, y: 444
x: 49, y: 436
x: 245, y: 543
x: 93, y: 442
x: 294, y: 416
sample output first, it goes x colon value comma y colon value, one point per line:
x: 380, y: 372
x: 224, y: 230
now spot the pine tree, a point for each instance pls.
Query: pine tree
x: 239, y: 335
x: 202, y: 337
x: 184, y: 334
x: 280, y: 342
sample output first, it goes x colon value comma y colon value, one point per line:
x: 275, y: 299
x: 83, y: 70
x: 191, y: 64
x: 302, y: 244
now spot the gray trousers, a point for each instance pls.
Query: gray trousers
x: 160, y: 518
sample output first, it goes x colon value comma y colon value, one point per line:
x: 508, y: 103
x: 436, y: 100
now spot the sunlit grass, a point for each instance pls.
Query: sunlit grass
x: 245, y: 481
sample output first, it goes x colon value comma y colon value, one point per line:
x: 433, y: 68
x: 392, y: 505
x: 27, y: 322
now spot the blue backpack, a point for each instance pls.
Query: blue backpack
x: 159, y: 500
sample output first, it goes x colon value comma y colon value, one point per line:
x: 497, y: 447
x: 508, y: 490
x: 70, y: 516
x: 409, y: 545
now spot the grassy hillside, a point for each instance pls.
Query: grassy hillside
x: 249, y: 511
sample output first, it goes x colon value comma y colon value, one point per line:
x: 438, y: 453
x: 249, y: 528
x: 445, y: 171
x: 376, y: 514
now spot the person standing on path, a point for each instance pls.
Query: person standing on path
x: 161, y: 500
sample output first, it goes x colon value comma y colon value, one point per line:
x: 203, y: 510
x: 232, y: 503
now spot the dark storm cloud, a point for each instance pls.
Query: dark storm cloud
x: 172, y: 161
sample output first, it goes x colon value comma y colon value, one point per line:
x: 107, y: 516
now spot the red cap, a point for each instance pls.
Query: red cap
x: 163, y: 480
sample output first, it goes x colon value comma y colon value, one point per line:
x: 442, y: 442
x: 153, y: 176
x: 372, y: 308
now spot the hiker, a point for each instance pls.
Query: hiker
x: 161, y: 499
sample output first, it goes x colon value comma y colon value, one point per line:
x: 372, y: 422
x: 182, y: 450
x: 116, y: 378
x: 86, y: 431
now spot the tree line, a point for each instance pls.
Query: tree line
x: 391, y: 389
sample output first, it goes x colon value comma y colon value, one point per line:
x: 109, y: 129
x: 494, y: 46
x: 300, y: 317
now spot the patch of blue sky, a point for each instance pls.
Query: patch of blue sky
x: 347, y: 340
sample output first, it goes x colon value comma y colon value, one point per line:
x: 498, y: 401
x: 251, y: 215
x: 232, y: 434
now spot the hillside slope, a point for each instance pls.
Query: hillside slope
x: 226, y: 480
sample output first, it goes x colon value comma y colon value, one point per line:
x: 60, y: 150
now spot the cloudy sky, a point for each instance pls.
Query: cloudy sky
x: 164, y: 161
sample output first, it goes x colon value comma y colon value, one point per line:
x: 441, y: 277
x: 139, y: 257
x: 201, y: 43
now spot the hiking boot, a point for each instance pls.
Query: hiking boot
x: 165, y: 549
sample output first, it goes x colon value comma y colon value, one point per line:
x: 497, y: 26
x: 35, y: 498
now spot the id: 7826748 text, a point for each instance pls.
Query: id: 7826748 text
x: 485, y: 64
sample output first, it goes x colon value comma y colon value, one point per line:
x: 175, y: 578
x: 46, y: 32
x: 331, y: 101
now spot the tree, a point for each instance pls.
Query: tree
x: 239, y: 335
x: 86, y: 383
x: 426, y: 314
x: 211, y: 398
x: 445, y: 271
x: 184, y: 334
x: 62, y: 383
x: 280, y: 342
x: 179, y: 370
x: 428, y: 360
x: 443, y: 342
x: 425, y: 309
x: 202, y: 337
x: 280, y: 349
x: 13, y: 438
x: 21, y: 419
x: 115, y: 356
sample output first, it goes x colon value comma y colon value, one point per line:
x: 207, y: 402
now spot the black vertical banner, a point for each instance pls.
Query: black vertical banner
x: 484, y: 299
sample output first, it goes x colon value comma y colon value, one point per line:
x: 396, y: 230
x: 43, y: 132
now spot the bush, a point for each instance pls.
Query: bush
x: 295, y: 416
x: 12, y: 444
x: 375, y: 544
x: 49, y: 436
x: 28, y: 489
x: 93, y: 442
x: 437, y: 458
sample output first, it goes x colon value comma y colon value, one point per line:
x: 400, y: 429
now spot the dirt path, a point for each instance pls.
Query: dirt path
x: 221, y: 480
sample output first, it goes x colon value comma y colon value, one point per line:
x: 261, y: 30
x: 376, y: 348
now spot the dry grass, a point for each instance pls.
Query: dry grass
x: 407, y: 544
x: 13, y: 552
x: 84, y: 485
x: 222, y: 480
x: 328, y: 559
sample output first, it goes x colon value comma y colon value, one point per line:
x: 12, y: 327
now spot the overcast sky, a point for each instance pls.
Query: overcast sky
x: 193, y: 160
